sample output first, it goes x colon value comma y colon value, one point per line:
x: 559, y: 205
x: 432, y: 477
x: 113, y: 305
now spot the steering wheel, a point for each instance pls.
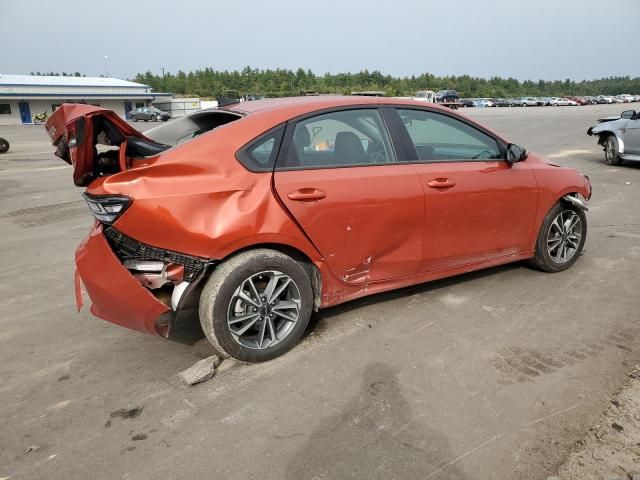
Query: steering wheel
x: 484, y: 155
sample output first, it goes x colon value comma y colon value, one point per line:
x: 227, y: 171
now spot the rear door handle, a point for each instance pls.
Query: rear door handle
x: 307, y: 195
x: 441, y: 183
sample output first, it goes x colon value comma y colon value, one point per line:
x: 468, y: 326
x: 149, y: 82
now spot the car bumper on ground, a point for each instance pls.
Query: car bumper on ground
x: 115, y: 295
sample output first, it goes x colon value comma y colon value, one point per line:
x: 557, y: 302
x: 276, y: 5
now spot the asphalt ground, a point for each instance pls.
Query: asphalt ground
x: 489, y: 375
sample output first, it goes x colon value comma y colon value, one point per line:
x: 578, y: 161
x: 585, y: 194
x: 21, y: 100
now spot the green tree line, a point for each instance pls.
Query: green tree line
x: 282, y: 82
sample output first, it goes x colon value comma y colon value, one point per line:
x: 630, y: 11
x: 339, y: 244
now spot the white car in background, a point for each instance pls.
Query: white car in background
x: 620, y: 137
x: 560, y: 102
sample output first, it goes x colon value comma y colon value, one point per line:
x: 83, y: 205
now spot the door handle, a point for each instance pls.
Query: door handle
x: 307, y: 195
x: 441, y: 183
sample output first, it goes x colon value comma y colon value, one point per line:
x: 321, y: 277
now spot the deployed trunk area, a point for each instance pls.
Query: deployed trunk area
x: 97, y: 142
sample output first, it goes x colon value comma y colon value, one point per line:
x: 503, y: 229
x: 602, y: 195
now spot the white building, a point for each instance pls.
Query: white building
x: 22, y: 96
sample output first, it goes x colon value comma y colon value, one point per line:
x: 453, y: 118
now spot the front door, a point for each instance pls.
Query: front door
x: 25, y: 112
x: 338, y: 177
x: 127, y: 109
x: 631, y: 137
x: 477, y: 205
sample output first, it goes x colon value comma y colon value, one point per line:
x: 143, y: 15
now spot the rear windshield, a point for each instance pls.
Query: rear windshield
x: 183, y: 129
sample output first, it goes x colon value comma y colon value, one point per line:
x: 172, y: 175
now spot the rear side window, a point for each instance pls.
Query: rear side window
x: 260, y: 155
x: 339, y: 139
x: 438, y: 137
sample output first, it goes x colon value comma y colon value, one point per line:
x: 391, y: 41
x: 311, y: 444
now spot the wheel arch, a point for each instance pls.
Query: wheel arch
x: 313, y: 270
x: 604, y: 134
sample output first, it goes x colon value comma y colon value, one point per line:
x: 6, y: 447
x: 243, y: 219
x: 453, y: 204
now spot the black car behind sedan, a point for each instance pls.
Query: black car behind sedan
x: 149, y: 113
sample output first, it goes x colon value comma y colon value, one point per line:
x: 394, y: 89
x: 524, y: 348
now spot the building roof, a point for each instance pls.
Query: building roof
x: 59, y: 81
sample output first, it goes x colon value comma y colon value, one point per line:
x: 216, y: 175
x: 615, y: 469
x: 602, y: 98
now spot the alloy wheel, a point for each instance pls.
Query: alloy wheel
x: 563, y: 238
x: 264, y: 309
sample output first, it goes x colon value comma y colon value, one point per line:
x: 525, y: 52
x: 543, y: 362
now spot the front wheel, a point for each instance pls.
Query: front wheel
x: 256, y: 305
x: 611, y: 151
x: 561, y: 238
x: 4, y: 145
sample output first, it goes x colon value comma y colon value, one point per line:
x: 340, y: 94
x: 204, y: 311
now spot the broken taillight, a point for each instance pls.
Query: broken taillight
x: 106, y: 208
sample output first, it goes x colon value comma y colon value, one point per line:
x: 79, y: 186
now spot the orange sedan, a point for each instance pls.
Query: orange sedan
x: 251, y: 216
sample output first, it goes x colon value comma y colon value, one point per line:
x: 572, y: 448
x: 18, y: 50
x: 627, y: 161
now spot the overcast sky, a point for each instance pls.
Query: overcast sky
x: 548, y: 39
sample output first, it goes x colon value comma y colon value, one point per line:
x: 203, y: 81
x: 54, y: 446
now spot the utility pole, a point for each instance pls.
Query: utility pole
x: 164, y: 87
x: 106, y: 64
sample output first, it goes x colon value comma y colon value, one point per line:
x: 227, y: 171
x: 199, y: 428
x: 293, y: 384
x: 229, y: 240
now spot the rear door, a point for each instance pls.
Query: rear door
x: 337, y: 174
x: 477, y: 205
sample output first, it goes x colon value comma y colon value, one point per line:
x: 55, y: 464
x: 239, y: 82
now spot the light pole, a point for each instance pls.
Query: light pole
x: 106, y: 64
x: 164, y: 88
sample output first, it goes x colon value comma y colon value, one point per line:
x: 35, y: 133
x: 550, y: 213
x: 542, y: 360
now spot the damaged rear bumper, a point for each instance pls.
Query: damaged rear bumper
x: 118, y: 297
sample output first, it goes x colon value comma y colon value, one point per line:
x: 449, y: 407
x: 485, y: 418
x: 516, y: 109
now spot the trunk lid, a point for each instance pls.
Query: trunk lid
x: 78, y: 131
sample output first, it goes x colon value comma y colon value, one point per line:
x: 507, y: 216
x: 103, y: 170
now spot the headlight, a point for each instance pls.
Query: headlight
x: 107, y: 208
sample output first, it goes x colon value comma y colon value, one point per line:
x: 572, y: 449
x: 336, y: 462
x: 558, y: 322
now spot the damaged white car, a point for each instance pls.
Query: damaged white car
x: 620, y: 137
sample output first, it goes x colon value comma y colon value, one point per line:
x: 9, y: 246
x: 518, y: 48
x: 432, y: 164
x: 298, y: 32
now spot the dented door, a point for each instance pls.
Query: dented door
x: 366, y: 221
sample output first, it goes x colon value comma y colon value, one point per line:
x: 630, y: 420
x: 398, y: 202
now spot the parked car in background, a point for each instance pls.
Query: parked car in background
x: 503, y: 102
x: 467, y: 102
x: 603, y: 99
x: 527, y: 102
x: 149, y: 113
x: 483, y: 102
x: 560, y: 102
x: 250, y: 227
x: 447, y: 96
x: 577, y: 100
x: 620, y: 138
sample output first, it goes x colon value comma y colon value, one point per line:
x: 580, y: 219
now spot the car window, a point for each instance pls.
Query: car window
x: 339, y: 139
x: 439, y: 137
x: 260, y: 155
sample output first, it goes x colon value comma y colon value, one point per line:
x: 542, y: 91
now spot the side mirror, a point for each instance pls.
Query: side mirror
x: 515, y: 153
x: 628, y: 114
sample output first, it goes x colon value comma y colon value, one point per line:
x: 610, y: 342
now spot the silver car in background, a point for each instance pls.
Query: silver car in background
x: 620, y: 137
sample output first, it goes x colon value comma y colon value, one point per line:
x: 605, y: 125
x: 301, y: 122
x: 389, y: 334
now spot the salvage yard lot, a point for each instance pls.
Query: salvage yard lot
x: 485, y: 376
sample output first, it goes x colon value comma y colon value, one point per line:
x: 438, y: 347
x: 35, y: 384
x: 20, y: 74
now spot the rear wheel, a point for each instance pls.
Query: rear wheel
x: 561, y: 238
x: 4, y: 145
x: 611, y: 151
x: 256, y: 305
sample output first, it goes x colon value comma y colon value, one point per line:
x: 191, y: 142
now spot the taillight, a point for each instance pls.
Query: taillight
x: 107, y: 208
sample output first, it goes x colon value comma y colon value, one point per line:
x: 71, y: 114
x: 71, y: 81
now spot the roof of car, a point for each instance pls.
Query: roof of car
x: 318, y: 103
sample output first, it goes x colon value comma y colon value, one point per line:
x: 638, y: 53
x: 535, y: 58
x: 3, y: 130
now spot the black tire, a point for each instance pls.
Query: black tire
x: 218, y: 297
x: 4, y: 145
x: 542, y: 259
x: 612, y: 151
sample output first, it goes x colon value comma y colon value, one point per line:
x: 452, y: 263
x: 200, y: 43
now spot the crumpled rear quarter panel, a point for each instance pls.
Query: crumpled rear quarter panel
x: 115, y: 295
